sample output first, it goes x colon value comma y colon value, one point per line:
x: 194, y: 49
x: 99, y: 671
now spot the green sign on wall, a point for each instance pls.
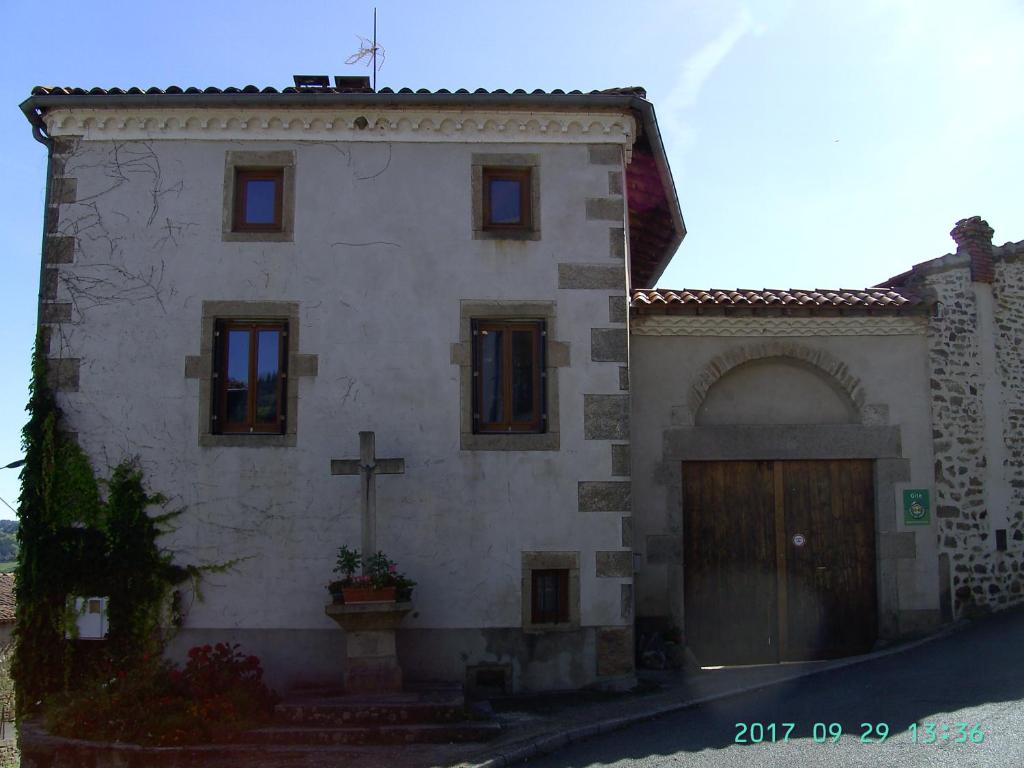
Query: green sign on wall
x: 917, y: 509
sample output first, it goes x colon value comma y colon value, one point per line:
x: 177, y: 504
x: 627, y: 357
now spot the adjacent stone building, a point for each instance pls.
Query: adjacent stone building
x: 976, y: 386
x: 236, y: 283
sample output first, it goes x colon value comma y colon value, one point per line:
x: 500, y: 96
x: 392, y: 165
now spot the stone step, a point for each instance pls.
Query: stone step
x: 410, y: 733
x: 327, y: 708
x: 342, y: 713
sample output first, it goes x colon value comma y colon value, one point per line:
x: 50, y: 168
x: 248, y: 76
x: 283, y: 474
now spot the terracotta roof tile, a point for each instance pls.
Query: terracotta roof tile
x: 6, y: 598
x: 881, y: 298
x: 51, y: 90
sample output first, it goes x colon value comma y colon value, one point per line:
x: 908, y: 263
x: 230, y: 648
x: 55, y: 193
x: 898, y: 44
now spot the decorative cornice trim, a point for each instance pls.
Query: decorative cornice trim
x: 434, y: 125
x: 690, y: 325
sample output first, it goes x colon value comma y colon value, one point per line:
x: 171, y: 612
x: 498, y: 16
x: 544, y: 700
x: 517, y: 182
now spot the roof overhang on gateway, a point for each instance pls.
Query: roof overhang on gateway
x: 655, y: 223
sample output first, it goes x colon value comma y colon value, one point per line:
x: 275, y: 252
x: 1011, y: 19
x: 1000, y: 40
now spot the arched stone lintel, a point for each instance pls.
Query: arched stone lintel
x: 834, y: 369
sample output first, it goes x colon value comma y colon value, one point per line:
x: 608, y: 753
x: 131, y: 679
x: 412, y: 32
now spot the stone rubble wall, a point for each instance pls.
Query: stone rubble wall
x: 982, y: 578
x: 1009, y: 338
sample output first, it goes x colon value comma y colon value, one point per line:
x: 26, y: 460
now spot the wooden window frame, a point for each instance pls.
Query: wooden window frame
x: 242, y: 177
x: 536, y: 425
x: 218, y: 419
x: 521, y: 175
x: 561, y: 615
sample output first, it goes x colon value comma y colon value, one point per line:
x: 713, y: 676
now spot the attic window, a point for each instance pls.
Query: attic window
x: 506, y: 198
x: 258, y: 197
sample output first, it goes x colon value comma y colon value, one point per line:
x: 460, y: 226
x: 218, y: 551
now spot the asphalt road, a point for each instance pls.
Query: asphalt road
x: 974, y: 676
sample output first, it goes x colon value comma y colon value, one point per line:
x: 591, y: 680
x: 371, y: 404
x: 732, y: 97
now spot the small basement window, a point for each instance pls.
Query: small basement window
x: 549, y: 596
x: 258, y: 200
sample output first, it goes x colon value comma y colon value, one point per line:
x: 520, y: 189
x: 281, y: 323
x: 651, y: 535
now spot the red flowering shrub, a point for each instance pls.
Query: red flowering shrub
x: 219, y: 694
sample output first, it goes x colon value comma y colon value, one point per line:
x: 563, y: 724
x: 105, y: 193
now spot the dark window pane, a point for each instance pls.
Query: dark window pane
x: 491, y: 409
x: 550, y: 598
x: 268, y: 361
x: 522, y: 376
x: 260, y: 201
x: 237, y: 384
x: 505, y: 199
x: 547, y: 594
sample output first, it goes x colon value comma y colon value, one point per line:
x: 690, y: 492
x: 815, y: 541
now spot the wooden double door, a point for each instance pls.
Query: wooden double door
x: 779, y: 560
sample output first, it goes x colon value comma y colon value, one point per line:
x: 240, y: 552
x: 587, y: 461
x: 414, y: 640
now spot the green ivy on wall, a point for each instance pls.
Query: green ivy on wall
x: 73, y: 542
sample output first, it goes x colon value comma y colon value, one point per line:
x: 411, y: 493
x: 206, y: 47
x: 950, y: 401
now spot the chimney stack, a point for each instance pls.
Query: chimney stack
x: 973, y: 236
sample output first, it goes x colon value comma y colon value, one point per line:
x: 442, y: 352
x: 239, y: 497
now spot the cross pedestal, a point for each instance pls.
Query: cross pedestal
x: 371, y: 661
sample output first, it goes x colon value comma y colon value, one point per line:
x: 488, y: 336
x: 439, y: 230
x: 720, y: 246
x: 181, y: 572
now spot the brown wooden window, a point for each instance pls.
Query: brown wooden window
x: 508, y: 376
x: 507, y: 193
x: 258, y: 199
x: 249, y: 377
x: 549, y: 596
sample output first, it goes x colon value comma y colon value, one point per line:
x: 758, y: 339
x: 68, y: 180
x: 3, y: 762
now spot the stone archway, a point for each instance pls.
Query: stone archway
x: 833, y: 369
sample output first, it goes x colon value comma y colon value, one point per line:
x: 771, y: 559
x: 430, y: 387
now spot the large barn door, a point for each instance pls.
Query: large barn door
x: 729, y: 557
x: 830, y: 578
x: 779, y: 560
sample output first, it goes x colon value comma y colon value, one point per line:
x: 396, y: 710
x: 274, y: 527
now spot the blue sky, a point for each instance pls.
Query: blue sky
x: 814, y: 144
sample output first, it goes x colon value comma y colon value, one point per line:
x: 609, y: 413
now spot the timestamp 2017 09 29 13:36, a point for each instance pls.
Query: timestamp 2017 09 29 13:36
x: 870, y: 733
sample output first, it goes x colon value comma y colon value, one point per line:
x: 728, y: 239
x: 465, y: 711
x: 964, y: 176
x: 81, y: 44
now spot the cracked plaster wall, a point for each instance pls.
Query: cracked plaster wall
x: 382, y: 255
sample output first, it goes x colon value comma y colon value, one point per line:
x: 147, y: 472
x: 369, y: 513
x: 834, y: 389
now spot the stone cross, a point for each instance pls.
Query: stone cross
x: 368, y: 466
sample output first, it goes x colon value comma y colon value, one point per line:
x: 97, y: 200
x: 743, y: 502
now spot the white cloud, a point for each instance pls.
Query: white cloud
x: 696, y: 70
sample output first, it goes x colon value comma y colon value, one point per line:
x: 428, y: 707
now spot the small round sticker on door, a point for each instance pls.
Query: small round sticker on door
x: 799, y: 540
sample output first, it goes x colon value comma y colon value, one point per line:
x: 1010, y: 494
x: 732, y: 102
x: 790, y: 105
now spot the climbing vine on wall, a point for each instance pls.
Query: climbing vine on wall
x: 73, y: 542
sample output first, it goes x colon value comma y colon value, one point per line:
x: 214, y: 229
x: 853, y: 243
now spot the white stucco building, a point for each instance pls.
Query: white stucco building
x: 235, y: 283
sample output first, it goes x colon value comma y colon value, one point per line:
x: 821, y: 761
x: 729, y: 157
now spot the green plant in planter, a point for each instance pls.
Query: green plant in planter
x: 380, y: 573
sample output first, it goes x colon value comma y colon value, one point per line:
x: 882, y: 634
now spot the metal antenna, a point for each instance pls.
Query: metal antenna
x: 368, y: 49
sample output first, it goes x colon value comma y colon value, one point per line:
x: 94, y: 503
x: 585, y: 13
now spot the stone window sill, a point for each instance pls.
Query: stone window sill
x: 247, y: 441
x: 547, y: 441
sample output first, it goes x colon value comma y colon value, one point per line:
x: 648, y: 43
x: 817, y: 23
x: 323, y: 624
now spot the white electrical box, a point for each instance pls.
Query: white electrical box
x: 91, y: 617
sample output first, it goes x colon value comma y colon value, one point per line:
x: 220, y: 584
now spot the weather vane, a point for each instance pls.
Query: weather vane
x: 369, y: 50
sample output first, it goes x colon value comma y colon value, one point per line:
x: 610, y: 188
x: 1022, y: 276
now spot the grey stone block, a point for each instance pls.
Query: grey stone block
x: 615, y: 652
x: 605, y: 209
x: 605, y: 496
x: 921, y: 621
x: 617, y: 309
x: 50, y: 283
x: 63, y: 190
x: 614, y: 182
x: 193, y: 366
x: 55, y: 312
x: 626, y: 601
x: 606, y: 417
x: 798, y: 441
x: 620, y: 460
x: 605, y: 154
x: 586, y: 276
x: 557, y: 354
x: 614, y: 565
x: 897, y: 545
x: 305, y: 365
x: 664, y: 549
x: 59, y: 250
x: 63, y: 373
x: 617, y: 242
x: 627, y: 532
x: 624, y: 378
x: 608, y: 345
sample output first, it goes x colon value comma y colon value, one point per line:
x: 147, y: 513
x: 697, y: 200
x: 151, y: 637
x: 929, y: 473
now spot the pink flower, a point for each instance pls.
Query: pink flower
x: 392, y: 569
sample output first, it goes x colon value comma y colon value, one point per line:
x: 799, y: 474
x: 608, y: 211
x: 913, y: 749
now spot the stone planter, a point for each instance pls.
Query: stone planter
x: 367, y: 595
